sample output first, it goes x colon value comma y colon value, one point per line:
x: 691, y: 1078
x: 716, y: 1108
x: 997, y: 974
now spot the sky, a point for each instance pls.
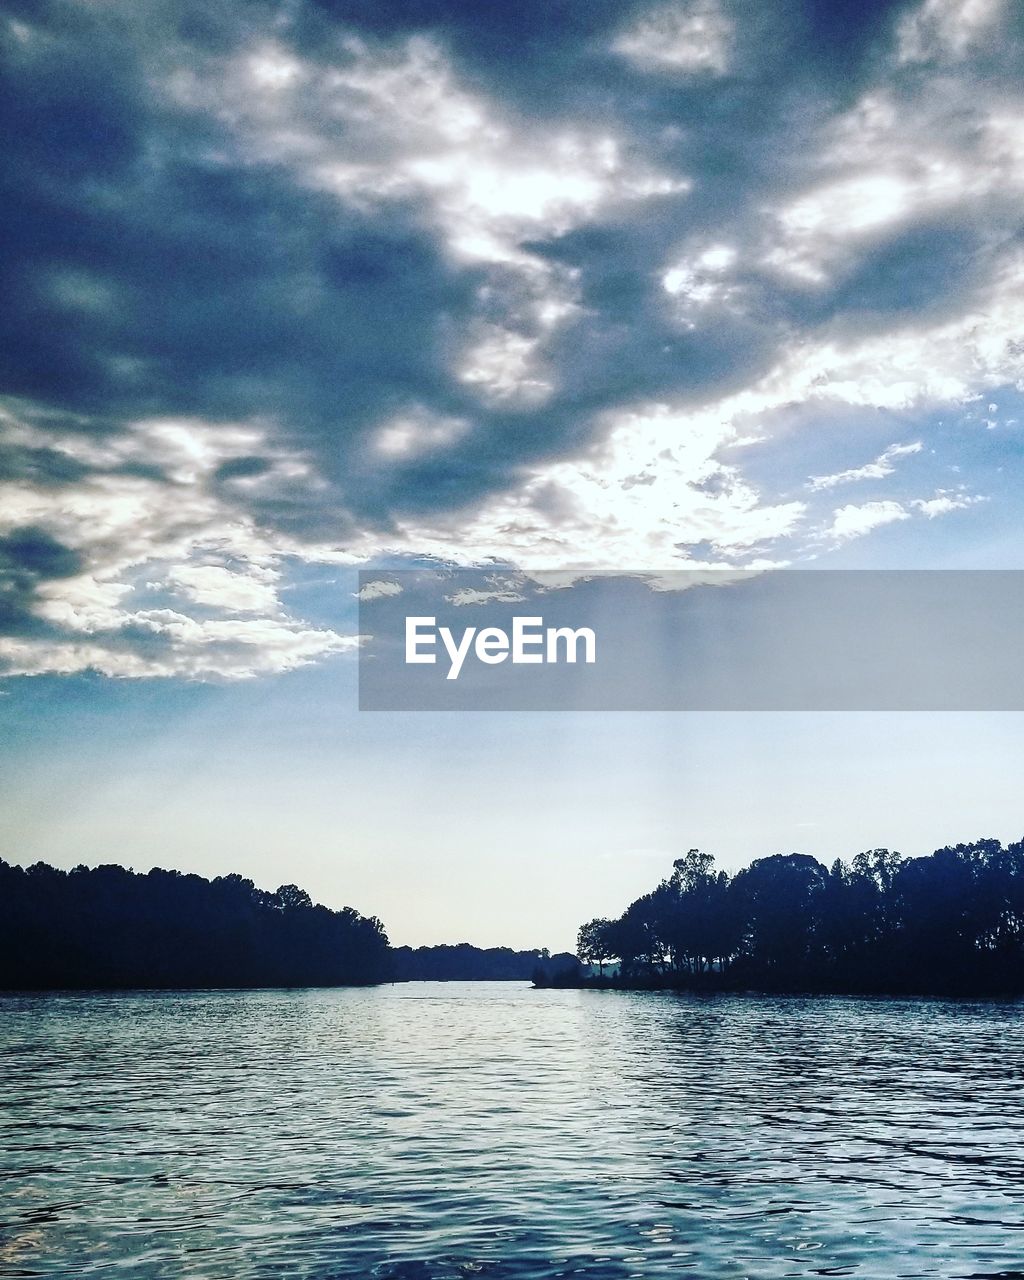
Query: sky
x: 293, y: 289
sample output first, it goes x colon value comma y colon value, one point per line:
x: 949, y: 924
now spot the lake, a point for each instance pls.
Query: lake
x: 435, y: 1130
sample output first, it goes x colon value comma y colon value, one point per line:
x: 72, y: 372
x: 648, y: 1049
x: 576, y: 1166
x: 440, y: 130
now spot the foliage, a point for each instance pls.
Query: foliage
x: 107, y: 927
x: 462, y: 962
x: 949, y: 923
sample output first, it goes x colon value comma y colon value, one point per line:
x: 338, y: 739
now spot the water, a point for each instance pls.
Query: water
x: 433, y: 1131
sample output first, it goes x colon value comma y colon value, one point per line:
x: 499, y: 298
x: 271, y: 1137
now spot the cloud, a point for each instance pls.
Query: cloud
x: 506, y: 590
x: 945, y: 502
x: 286, y: 287
x: 29, y: 558
x: 249, y: 591
x: 586, y: 514
x: 854, y: 522
x: 688, y: 37
x: 883, y: 465
x: 379, y: 590
x: 163, y: 643
x: 947, y: 30
x: 149, y: 563
x: 418, y: 433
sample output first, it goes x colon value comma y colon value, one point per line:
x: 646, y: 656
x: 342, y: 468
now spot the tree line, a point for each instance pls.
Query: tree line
x: 108, y: 927
x: 949, y: 923
x: 463, y: 962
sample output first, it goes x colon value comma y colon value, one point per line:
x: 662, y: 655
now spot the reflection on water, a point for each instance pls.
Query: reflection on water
x: 450, y: 1130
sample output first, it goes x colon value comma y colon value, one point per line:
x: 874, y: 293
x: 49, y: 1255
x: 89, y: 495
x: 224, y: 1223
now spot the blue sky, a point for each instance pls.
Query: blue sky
x: 294, y: 288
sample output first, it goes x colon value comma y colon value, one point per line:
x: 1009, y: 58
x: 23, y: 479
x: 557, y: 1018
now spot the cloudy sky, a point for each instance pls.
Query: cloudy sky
x: 292, y: 288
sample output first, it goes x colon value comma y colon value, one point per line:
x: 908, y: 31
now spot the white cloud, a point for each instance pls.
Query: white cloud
x: 687, y: 37
x: 824, y: 227
x: 504, y: 594
x: 935, y: 361
x: 589, y: 513
x: 252, y: 590
x: 161, y: 527
x: 502, y: 364
x: 702, y: 280
x: 380, y: 589
x: 405, y: 127
x: 944, y: 502
x: 909, y: 150
x: 418, y: 432
x: 854, y: 522
x: 947, y: 30
x: 883, y: 465
x: 392, y: 124
x: 232, y: 650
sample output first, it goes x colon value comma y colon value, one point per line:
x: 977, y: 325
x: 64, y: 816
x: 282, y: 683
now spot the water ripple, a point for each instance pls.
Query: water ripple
x: 435, y: 1131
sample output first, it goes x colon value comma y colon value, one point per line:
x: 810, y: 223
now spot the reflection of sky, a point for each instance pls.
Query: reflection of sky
x: 631, y: 285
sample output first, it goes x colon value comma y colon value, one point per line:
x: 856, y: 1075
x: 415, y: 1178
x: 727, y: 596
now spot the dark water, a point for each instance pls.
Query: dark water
x: 437, y: 1130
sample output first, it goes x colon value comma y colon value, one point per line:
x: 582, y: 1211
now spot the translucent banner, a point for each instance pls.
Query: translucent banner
x: 782, y: 640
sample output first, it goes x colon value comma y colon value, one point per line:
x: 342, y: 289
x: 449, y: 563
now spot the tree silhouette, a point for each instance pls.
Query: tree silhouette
x: 949, y: 923
x: 594, y: 944
x: 108, y: 927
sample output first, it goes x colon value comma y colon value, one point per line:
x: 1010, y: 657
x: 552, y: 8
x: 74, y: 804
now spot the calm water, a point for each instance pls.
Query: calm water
x: 449, y: 1130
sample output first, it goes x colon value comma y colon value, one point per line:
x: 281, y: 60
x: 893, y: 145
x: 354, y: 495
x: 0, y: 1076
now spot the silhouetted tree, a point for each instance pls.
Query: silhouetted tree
x: 465, y: 963
x: 594, y: 943
x: 108, y: 927
x: 778, y: 899
x: 952, y: 922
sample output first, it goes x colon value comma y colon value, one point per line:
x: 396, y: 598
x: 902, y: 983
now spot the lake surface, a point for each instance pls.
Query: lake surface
x: 433, y: 1131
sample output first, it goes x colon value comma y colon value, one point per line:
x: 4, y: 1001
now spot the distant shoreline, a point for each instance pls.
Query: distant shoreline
x: 710, y: 984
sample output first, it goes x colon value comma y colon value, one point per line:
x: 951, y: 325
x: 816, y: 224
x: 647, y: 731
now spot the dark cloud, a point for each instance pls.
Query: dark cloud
x: 928, y: 267
x: 40, y: 466
x: 153, y: 268
x: 555, y: 57
x: 144, y: 277
x: 28, y: 557
x: 184, y: 240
